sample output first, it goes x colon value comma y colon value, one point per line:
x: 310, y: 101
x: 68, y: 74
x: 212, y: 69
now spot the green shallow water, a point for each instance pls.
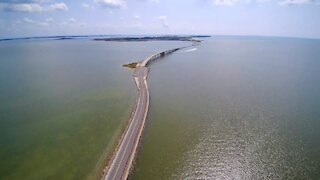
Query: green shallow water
x: 63, y: 105
x: 234, y: 108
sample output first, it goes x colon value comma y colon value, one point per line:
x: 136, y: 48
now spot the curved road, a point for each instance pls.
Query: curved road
x: 123, y: 158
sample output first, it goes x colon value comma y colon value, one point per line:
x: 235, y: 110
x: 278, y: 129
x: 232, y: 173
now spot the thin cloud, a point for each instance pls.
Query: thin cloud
x: 72, y: 20
x: 113, y: 4
x: 21, y: 7
x: 225, y: 2
x: 27, y: 20
x: 280, y: 2
x: 295, y: 2
x: 137, y: 17
x: 87, y: 6
x: 49, y: 20
x: 31, y: 6
x: 59, y: 6
x: 164, y: 20
x: 34, y: 23
x: 45, y: 24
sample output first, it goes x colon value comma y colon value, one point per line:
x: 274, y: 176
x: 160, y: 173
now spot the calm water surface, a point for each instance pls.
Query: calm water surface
x: 63, y: 105
x: 234, y: 108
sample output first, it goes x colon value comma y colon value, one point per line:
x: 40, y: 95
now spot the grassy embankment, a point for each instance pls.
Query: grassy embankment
x: 130, y: 65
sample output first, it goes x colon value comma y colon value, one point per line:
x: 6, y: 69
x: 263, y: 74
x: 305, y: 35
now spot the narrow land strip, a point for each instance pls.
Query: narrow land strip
x: 122, y: 161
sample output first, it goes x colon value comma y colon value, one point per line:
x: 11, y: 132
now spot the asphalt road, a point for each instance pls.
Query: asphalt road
x: 121, y: 163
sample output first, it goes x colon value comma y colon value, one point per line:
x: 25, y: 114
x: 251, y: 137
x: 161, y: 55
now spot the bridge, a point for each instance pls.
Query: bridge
x: 121, y: 163
x: 158, y: 55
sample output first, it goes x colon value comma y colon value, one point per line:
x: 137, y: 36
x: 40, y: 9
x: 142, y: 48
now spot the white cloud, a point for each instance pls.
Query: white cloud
x: 111, y: 3
x: 72, y: 23
x: 45, y: 24
x: 156, y: 1
x: 137, y: 17
x: 280, y: 2
x: 49, y: 20
x: 164, y: 20
x: 151, y: 1
x: 294, y: 2
x: 165, y: 25
x: 85, y: 5
x: 27, y: 20
x: 59, y: 6
x: 225, y: 2
x: 31, y: 6
x: 22, y: 7
x: 32, y: 22
x: 71, y: 20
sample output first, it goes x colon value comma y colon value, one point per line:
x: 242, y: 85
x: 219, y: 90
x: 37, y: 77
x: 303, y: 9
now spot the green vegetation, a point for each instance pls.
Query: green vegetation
x: 131, y: 65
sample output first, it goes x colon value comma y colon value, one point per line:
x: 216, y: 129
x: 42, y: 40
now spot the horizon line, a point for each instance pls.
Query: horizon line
x: 68, y: 37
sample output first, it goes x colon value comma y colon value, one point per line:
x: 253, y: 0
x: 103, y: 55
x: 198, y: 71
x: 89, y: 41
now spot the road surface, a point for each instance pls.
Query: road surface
x: 121, y: 163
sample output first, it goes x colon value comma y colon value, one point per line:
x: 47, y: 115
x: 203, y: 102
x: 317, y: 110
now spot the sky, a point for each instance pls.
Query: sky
x: 287, y: 18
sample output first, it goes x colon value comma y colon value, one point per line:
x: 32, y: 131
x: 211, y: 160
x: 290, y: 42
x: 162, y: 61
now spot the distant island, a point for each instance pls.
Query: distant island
x: 154, y: 38
x: 114, y: 38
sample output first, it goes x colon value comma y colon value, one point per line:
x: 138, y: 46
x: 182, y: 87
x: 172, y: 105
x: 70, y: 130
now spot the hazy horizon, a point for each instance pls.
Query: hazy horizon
x: 75, y: 36
x: 280, y: 18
